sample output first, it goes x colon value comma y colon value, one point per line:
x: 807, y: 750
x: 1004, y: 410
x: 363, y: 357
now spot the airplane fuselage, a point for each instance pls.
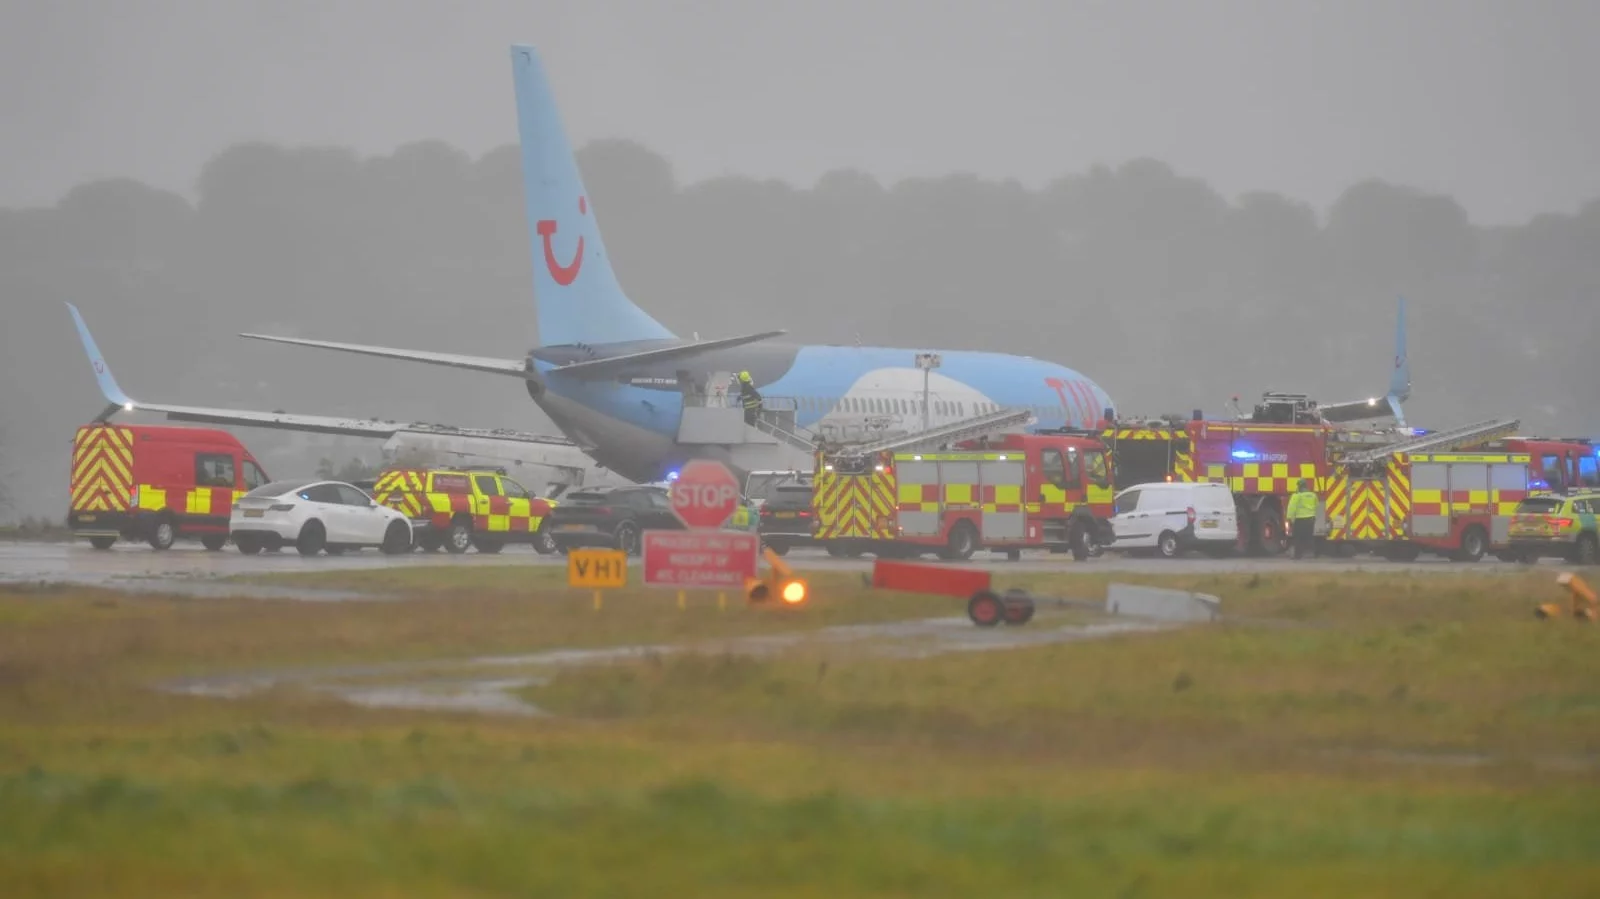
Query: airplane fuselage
x: 630, y: 423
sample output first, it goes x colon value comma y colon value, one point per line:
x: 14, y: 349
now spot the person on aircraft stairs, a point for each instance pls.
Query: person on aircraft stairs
x: 1302, y: 515
x: 750, y: 398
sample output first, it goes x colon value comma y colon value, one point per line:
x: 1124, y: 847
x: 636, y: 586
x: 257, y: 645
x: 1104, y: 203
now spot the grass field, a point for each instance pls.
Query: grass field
x: 1382, y: 735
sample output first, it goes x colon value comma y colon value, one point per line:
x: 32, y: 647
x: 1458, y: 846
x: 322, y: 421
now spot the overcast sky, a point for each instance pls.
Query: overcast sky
x: 1492, y: 102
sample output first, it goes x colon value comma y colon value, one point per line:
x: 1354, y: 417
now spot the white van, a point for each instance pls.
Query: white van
x: 1171, y: 518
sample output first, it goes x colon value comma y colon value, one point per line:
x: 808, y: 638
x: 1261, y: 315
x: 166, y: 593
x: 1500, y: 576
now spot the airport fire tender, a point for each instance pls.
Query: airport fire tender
x: 157, y: 483
x: 1453, y: 493
x: 1259, y: 458
x: 957, y: 489
x: 455, y: 509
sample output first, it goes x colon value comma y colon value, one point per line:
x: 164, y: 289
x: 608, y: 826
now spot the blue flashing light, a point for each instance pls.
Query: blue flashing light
x: 672, y: 475
x: 1244, y: 454
x: 1537, y: 484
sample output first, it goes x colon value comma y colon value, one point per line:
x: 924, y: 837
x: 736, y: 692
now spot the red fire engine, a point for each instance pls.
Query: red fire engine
x: 1555, y: 464
x: 1004, y: 493
x: 1260, y: 459
x: 1452, y: 493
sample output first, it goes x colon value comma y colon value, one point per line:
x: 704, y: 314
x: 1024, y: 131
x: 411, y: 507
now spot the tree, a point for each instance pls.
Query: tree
x: 1103, y: 270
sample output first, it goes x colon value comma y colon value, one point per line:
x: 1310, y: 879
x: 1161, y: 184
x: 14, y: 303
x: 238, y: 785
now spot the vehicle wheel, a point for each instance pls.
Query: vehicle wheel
x: 1473, y: 545
x: 1013, y: 555
x: 1167, y: 545
x: 985, y: 609
x: 458, y: 539
x: 627, y: 536
x: 164, y: 534
x: 488, y: 545
x: 781, y: 549
x: 102, y: 542
x: 1587, y: 552
x: 396, y: 540
x: 1269, y: 529
x: 312, y: 539
x: 963, y: 541
x: 248, y: 546
x: 214, y: 542
x: 543, y: 543
x: 841, y: 552
x: 1019, y: 607
x: 1081, y: 539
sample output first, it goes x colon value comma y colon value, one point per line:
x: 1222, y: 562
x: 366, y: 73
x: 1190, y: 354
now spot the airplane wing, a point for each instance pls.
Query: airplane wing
x: 516, y: 368
x: 317, y: 424
x: 590, y: 369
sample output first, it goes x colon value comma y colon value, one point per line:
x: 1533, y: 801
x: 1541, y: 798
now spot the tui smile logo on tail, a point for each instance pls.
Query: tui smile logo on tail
x: 563, y: 274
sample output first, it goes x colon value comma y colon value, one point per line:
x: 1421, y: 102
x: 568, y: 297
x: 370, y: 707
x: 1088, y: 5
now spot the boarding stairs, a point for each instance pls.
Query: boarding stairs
x: 955, y: 432
x: 1443, y: 441
x: 796, y: 437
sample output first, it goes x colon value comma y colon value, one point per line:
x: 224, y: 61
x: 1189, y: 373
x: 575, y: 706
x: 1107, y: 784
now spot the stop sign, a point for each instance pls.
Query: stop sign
x: 705, y: 494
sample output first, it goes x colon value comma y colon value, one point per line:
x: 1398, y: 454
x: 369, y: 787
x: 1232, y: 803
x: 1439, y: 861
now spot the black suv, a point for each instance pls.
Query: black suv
x: 614, y: 517
x: 786, y: 518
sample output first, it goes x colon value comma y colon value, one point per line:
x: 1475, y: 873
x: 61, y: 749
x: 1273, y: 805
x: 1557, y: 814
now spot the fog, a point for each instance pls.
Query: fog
x: 1184, y: 201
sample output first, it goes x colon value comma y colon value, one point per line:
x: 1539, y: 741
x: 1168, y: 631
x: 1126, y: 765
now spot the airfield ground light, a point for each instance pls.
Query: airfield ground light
x: 780, y: 582
x: 1581, y: 597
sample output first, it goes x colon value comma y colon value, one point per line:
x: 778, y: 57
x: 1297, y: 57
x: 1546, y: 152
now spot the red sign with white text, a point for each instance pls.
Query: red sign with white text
x: 719, y: 560
x: 705, y: 494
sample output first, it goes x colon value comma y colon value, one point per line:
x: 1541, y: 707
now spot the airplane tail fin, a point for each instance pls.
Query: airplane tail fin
x: 1400, y: 378
x: 102, y: 370
x: 576, y: 294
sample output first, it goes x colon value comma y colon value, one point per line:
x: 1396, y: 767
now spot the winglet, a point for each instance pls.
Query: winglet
x: 1400, y: 378
x: 102, y: 370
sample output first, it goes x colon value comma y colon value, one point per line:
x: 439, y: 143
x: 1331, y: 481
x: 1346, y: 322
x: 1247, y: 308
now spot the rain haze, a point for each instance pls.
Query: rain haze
x: 1184, y: 201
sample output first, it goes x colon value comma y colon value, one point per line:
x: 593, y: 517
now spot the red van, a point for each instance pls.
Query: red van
x: 157, y: 483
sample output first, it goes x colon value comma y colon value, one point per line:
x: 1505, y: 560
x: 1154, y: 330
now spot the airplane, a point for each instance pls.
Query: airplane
x: 640, y: 400
x: 1399, y: 386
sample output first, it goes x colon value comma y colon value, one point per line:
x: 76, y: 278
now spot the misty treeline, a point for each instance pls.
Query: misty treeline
x: 1171, y: 295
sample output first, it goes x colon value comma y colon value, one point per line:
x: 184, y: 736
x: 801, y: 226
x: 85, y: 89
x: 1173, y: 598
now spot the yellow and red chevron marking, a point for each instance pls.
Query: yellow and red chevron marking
x: 400, y: 489
x: 1367, y: 518
x: 1183, y: 466
x: 860, y: 506
x: 102, y: 469
x: 1336, y: 502
x: 1399, y: 515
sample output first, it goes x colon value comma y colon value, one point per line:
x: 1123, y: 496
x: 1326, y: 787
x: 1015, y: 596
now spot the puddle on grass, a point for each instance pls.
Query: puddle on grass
x: 430, y: 685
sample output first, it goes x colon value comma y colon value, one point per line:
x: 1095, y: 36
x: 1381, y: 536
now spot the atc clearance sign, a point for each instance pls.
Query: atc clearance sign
x: 700, y: 559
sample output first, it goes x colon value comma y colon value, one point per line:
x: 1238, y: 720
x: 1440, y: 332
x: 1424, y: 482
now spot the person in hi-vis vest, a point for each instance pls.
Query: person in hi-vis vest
x: 1302, y: 515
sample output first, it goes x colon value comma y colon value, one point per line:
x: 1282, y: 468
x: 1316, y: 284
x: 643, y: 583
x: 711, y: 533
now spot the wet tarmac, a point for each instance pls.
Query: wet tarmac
x: 191, y: 570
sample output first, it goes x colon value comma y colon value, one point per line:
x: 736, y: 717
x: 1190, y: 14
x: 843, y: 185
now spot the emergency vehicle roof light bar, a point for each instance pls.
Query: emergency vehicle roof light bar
x: 1468, y: 435
x: 955, y: 432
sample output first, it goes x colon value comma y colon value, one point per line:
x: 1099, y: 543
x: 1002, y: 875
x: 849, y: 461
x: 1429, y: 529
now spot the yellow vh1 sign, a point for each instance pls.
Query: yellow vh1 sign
x: 597, y: 569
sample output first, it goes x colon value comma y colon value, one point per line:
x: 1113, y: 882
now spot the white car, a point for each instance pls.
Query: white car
x: 316, y: 515
x: 1173, y: 517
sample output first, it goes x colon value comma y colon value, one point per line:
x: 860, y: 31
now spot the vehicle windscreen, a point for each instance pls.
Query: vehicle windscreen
x: 278, y: 488
x: 587, y: 498
x: 759, y: 486
x: 1540, y: 505
x: 793, y: 493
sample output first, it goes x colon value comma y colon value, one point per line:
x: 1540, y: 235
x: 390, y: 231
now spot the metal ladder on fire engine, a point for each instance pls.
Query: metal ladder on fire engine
x: 968, y: 429
x: 1469, y: 435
